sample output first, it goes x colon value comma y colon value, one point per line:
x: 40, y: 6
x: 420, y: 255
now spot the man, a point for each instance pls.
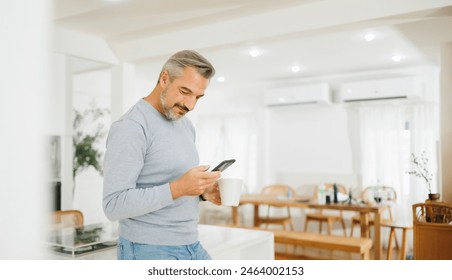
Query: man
x: 152, y: 181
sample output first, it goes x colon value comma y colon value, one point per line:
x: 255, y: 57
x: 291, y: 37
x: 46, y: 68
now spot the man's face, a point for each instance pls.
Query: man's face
x: 180, y: 96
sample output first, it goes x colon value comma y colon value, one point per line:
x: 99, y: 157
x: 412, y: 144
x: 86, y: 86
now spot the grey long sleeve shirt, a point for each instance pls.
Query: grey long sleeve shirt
x: 145, y: 152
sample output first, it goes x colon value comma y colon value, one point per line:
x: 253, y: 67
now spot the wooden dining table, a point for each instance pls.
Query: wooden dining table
x: 302, y: 202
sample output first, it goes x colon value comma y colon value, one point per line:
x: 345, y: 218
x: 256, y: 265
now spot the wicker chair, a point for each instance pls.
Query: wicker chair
x: 282, y: 220
x: 432, y: 224
x: 67, y: 218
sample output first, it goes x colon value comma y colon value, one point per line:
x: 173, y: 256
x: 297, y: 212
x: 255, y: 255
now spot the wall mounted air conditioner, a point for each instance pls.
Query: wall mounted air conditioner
x: 384, y: 89
x: 295, y: 95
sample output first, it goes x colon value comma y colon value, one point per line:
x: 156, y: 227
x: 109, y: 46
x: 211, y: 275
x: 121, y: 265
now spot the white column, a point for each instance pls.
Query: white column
x: 67, y: 148
x: 446, y: 121
x: 122, y: 89
x: 60, y: 120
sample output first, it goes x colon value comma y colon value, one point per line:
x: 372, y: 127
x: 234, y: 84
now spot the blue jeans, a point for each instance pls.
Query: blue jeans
x: 128, y: 250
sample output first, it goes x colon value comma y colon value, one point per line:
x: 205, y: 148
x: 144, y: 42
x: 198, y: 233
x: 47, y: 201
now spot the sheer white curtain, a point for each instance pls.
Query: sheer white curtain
x: 226, y: 137
x: 424, y: 136
x: 389, y: 134
x: 383, y: 158
x: 382, y: 130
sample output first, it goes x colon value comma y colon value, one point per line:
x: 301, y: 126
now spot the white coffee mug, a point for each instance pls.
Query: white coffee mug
x: 230, y: 191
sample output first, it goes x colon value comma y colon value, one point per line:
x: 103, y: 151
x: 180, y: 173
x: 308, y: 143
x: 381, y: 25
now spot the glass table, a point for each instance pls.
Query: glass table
x: 74, y: 242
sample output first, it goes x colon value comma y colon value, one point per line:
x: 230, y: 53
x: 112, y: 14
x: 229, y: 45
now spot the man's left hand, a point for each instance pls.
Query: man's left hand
x: 212, y: 194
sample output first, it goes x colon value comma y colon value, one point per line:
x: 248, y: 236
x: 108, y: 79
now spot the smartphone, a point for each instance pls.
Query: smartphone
x: 223, y: 165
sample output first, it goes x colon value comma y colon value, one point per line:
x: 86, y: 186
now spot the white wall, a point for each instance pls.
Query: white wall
x: 311, y: 139
x: 23, y: 92
x: 314, y: 142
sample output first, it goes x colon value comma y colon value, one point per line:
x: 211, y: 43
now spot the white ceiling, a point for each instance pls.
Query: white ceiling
x: 323, y: 37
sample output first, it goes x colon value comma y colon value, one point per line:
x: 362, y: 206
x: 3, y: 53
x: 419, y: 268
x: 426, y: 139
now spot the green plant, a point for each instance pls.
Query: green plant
x: 420, y: 169
x: 88, y: 132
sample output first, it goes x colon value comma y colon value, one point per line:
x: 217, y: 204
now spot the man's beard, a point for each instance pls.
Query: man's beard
x: 167, y: 111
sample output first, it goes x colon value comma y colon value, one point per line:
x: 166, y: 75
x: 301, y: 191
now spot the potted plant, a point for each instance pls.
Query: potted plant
x: 88, y: 133
x: 420, y: 170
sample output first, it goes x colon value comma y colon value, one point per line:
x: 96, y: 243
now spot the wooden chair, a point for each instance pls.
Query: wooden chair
x: 330, y: 219
x: 67, y: 218
x: 392, y: 237
x: 432, y: 228
x: 284, y: 220
x: 388, y: 195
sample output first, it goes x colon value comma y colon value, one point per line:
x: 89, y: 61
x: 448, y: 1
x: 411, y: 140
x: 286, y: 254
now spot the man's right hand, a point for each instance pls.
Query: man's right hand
x: 194, y: 182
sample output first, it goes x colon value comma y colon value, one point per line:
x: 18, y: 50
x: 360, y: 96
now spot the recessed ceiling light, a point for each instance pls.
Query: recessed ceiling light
x: 254, y: 53
x: 397, y: 58
x: 369, y: 37
x: 221, y: 79
x: 295, y: 68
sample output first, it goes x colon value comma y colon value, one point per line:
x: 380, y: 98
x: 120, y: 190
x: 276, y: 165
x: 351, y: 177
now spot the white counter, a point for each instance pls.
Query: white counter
x: 225, y: 243
x: 222, y: 243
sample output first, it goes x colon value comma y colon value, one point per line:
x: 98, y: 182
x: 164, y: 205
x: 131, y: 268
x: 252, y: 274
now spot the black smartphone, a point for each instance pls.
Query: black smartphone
x: 223, y: 165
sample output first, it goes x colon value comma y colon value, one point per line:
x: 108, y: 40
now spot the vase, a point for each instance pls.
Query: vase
x: 433, y: 196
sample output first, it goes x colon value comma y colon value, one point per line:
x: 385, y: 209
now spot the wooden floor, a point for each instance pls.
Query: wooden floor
x: 320, y: 254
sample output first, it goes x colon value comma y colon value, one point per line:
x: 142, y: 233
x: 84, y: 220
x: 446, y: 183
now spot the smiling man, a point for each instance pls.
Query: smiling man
x: 152, y: 181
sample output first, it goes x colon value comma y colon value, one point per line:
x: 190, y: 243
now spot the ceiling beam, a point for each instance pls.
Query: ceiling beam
x: 82, y: 45
x: 298, y: 19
